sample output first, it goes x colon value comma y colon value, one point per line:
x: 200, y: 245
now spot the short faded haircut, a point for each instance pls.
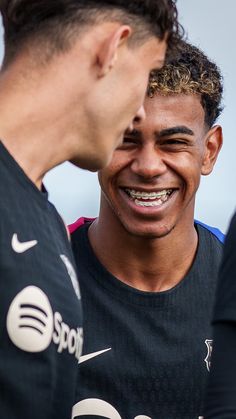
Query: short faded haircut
x: 53, y: 24
x: 191, y: 72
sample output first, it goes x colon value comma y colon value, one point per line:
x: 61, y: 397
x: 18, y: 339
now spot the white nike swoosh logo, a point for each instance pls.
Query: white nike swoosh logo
x: 84, y: 358
x: 21, y: 247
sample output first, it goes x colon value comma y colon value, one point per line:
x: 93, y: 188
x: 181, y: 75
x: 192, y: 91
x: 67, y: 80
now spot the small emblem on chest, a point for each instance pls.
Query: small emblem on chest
x: 207, y: 360
x: 21, y: 247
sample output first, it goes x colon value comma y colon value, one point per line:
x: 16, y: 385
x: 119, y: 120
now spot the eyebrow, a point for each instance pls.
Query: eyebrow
x: 179, y: 129
x: 182, y: 129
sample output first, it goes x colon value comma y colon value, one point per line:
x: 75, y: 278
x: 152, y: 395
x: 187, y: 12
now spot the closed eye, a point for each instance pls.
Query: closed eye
x: 128, y: 142
x: 174, y: 142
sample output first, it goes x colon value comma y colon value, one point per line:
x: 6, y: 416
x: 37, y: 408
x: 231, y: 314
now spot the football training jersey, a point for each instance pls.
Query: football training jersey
x: 145, y: 355
x: 40, y: 308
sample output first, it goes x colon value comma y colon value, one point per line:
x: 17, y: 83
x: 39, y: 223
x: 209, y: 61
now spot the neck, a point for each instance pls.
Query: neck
x: 34, y: 121
x: 148, y: 264
x: 31, y: 148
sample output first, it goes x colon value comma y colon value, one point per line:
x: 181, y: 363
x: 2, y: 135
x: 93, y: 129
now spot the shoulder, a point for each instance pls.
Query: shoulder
x: 231, y: 234
x: 79, y: 223
x: 212, y: 231
x: 79, y: 232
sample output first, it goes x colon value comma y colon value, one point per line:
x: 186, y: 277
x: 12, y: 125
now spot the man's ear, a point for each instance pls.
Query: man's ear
x: 213, y: 144
x: 107, y: 52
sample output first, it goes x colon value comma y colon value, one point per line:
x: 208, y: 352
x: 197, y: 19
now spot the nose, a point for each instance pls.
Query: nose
x: 139, y: 117
x: 148, y: 163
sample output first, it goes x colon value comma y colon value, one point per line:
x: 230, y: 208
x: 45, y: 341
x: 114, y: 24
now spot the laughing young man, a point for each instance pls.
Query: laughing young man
x: 69, y: 88
x: 147, y: 271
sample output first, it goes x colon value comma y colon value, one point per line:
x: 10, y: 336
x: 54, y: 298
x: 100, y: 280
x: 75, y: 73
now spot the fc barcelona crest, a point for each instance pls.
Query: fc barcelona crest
x: 207, y: 360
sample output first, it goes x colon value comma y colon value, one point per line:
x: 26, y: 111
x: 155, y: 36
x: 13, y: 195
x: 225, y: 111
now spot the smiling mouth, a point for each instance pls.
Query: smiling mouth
x: 149, y: 199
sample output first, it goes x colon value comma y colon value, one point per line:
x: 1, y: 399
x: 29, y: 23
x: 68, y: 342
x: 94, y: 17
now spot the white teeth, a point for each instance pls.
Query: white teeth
x: 148, y: 204
x: 149, y: 196
x: 149, y: 199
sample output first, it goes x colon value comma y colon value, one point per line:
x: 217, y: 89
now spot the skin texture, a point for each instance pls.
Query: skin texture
x: 117, y: 97
x: 60, y: 105
x: 171, y: 149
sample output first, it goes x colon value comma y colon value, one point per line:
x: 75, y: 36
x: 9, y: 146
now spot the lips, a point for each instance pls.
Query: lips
x: 149, y: 199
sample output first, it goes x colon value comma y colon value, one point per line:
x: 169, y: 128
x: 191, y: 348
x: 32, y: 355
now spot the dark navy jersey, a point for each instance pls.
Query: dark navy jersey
x: 145, y: 355
x: 40, y: 308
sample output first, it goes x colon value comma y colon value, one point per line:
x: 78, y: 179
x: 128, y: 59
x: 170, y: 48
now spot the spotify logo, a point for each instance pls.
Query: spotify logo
x: 30, y: 320
x: 100, y: 408
x: 97, y: 407
x: 32, y: 325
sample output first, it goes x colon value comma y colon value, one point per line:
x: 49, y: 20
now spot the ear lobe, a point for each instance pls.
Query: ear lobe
x: 108, y: 50
x: 214, y: 141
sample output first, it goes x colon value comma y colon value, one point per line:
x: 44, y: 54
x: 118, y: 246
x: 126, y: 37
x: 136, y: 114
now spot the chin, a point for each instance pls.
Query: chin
x: 91, y: 163
x: 149, y: 233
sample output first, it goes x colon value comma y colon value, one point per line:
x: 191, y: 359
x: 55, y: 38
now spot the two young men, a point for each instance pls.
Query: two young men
x: 147, y: 271
x: 69, y: 88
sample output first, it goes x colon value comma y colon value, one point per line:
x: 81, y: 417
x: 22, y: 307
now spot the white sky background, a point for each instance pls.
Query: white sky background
x: 212, y: 27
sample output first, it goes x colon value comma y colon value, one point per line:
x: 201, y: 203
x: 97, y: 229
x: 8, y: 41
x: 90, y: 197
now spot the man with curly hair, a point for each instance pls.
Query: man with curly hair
x: 69, y: 88
x: 148, y: 271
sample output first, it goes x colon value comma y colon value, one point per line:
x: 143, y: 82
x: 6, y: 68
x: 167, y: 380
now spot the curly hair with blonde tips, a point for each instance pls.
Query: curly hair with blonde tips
x: 191, y: 72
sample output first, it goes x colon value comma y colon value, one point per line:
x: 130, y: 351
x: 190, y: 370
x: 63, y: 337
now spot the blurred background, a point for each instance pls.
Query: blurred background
x: 210, y: 25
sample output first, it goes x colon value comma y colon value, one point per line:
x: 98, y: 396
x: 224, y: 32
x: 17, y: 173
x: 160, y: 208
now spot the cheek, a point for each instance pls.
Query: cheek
x: 143, y: 88
x: 138, y: 91
x: 193, y: 177
x: 102, y: 179
x: 188, y: 166
x: 116, y: 171
x: 106, y: 177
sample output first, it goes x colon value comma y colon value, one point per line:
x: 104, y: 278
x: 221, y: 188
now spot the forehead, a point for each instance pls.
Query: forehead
x: 173, y: 110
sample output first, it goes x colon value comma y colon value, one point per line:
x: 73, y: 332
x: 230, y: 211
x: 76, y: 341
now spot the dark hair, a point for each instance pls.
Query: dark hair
x: 56, y: 21
x: 191, y: 72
